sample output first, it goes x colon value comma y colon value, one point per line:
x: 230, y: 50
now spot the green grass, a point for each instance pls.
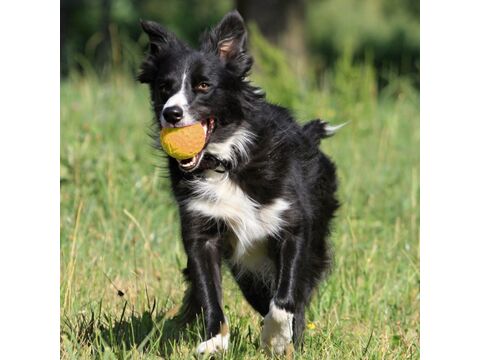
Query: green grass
x: 120, y: 231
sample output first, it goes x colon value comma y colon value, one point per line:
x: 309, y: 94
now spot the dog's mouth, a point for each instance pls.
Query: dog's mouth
x: 192, y: 163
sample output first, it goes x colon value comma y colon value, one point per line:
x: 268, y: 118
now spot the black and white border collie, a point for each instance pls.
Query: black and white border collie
x: 260, y: 195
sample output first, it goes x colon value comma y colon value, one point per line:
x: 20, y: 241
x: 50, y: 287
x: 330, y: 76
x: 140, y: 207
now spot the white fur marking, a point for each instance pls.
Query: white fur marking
x: 235, y: 145
x: 277, y: 329
x: 332, y: 129
x: 179, y: 99
x: 214, y: 344
x: 220, y: 198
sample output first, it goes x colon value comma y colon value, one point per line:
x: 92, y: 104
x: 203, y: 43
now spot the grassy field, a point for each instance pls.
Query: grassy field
x: 121, y: 253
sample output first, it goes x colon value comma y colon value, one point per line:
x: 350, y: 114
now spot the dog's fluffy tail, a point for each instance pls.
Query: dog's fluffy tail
x: 317, y: 129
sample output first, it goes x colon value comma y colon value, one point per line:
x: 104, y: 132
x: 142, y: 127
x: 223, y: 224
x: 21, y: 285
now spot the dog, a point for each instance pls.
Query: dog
x: 260, y: 197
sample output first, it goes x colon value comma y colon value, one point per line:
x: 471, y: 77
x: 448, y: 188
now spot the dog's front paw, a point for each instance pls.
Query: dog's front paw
x: 217, y: 343
x: 277, y: 330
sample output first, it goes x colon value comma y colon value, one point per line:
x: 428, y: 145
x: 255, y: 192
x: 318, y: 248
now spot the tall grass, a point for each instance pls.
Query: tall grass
x: 120, y: 246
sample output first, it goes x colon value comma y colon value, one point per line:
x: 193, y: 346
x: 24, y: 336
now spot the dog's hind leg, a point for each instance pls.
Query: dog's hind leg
x: 255, y: 291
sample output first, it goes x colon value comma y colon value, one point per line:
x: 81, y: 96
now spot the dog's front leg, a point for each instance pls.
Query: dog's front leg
x: 204, y: 259
x: 287, y: 302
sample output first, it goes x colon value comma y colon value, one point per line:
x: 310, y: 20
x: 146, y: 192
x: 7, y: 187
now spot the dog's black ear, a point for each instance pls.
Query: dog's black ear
x: 160, y: 38
x: 161, y: 41
x: 228, y: 41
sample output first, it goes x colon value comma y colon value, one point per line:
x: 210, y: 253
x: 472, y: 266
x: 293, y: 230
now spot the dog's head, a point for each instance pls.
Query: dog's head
x: 206, y: 85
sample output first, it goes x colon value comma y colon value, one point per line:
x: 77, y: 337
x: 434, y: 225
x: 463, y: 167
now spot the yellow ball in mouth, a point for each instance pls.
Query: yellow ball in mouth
x: 184, y: 142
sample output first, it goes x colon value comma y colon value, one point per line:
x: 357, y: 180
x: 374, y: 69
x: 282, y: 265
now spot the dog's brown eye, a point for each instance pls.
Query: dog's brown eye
x: 164, y: 87
x: 203, y: 86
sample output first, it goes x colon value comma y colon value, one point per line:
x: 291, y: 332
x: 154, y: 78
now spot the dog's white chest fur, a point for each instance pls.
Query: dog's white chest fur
x: 217, y: 197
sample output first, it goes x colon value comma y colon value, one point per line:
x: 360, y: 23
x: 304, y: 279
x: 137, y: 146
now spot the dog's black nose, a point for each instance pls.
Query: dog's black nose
x: 173, y: 114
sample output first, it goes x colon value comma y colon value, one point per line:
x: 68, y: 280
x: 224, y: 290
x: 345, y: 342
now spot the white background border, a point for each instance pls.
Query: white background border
x: 450, y: 180
x: 29, y: 179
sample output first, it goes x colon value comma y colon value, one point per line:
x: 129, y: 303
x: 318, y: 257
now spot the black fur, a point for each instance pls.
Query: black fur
x: 284, y: 162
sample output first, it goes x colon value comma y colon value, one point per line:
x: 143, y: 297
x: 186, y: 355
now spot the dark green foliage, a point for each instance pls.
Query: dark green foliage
x: 101, y: 36
x: 385, y: 32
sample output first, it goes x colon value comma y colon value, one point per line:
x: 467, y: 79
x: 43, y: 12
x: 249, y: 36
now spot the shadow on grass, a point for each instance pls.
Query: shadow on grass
x: 144, y: 332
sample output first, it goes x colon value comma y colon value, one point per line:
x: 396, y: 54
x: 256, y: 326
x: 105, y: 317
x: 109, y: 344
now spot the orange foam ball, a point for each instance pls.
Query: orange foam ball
x: 183, y: 142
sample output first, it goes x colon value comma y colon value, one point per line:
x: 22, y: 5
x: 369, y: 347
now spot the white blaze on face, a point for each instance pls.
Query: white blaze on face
x: 179, y: 99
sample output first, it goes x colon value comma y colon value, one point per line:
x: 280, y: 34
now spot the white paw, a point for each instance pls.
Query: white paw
x: 217, y: 343
x: 277, y: 330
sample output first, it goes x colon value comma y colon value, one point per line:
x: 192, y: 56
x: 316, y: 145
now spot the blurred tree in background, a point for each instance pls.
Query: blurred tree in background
x: 104, y: 36
x: 282, y: 22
